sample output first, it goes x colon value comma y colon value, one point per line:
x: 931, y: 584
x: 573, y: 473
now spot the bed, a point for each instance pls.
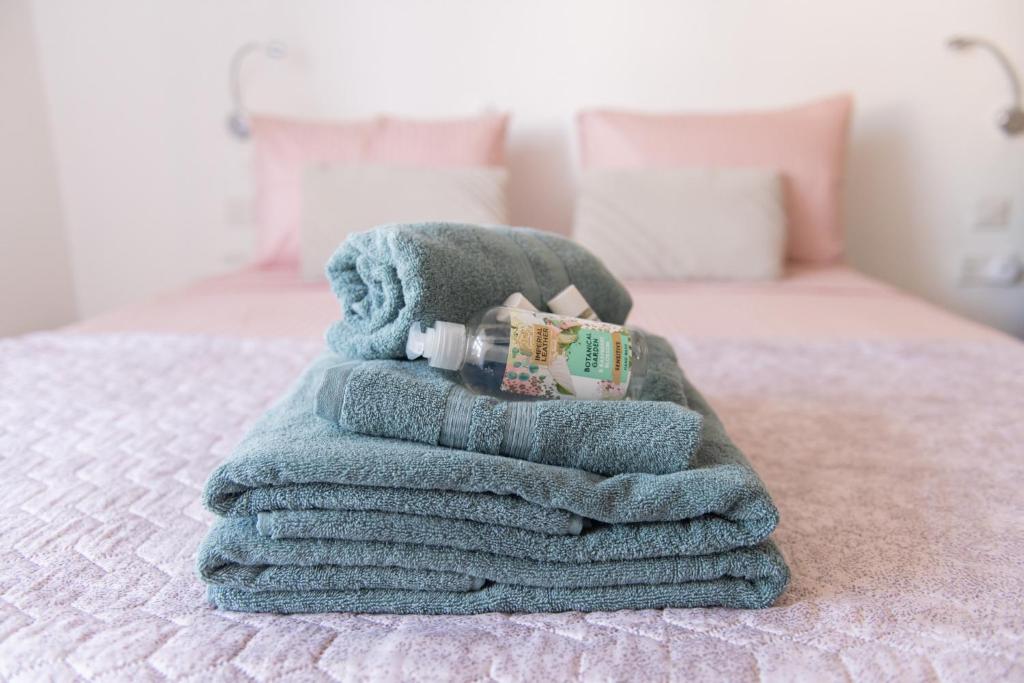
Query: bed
x: 277, y: 302
x: 887, y: 430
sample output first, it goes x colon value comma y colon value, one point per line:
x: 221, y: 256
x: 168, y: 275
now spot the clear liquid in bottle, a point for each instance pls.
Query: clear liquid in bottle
x: 516, y: 354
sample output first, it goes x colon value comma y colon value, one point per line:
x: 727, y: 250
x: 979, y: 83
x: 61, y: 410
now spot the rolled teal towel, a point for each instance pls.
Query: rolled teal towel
x: 392, y: 276
x: 410, y: 400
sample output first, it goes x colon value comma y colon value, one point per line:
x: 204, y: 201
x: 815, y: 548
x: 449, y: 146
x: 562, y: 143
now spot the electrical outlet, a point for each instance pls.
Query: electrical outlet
x: 1000, y: 270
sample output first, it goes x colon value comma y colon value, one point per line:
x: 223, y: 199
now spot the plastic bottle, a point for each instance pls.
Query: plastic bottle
x: 516, y: 354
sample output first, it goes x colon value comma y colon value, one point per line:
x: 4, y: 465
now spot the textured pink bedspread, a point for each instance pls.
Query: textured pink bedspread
x: 822, y: 303
x: 896, y: 466
x: 888, y: 432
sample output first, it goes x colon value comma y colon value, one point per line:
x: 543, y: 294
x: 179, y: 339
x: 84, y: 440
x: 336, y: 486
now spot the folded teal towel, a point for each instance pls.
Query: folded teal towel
x: 248, y: 571
x: 308, y: 501
x: 412, y: 401
x: 392, y: 276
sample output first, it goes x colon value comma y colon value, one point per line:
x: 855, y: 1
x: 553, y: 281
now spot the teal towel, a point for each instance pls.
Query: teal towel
x: 412, y: 401
x: 717, y: 581
x: 307, y: 502
x: 248, y: 571
x: 392, y: 276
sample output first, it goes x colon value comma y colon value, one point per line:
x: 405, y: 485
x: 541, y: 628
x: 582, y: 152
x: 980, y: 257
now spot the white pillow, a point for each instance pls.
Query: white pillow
x: 339, y: 200
x: 683, y: 223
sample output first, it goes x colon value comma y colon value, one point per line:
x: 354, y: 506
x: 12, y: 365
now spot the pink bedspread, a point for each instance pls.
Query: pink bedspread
x: 823, y: 303
x: 889, y: 433
x: 896, y: 466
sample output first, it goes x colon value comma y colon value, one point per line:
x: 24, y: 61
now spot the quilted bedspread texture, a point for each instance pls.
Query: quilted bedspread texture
x: 897, y: 469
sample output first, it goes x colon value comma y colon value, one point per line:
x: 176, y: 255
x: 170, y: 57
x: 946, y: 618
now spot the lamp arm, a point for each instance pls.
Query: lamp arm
x: 235, y: 72
x: 1007, y: 66
x: 1011, y: 119
x: 238, y: 120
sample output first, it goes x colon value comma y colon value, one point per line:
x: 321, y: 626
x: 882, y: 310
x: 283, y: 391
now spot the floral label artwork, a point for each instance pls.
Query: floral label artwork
x: 550, y: 356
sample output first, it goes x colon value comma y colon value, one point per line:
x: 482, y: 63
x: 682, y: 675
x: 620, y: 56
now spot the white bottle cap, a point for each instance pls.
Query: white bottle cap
x: 570, y: 302
x: 444, y: 344
x: 517, y: 300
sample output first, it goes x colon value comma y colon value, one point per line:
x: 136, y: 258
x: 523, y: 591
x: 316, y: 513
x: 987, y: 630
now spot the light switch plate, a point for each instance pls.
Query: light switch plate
x: 991, y: 213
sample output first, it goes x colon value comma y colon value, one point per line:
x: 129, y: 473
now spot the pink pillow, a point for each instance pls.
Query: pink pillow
x: 285, y: 147
x: 807, y: 144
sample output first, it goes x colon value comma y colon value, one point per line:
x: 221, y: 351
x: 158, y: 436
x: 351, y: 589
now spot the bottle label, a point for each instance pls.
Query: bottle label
x: 551, y: 356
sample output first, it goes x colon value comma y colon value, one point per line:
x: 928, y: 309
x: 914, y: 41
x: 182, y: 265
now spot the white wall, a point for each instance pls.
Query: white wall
x: 150, y: 180
x: 35, y: 276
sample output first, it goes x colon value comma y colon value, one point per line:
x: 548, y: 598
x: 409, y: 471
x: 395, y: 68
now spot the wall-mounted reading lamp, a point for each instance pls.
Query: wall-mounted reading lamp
x: 1011, y: 119
x: 238, y: 120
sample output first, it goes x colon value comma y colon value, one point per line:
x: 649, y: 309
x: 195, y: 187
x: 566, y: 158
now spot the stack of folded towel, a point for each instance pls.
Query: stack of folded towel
x: 382, y: 485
